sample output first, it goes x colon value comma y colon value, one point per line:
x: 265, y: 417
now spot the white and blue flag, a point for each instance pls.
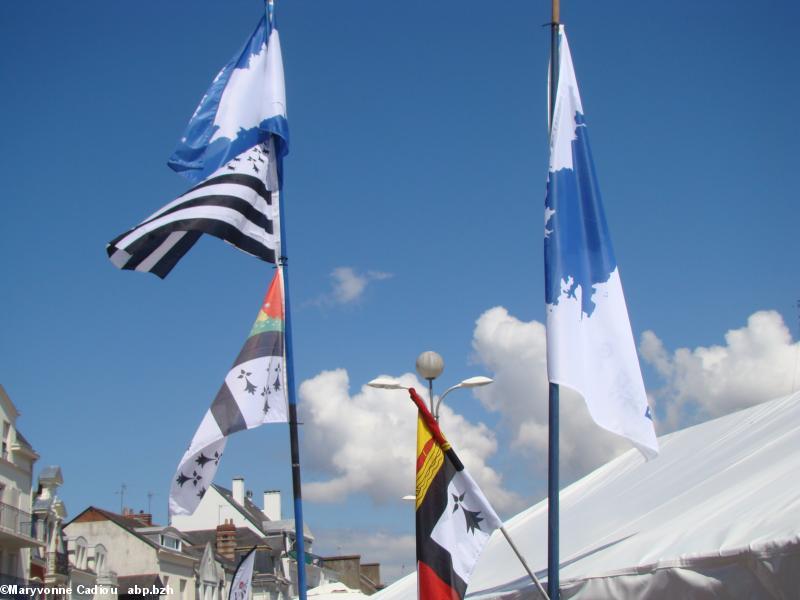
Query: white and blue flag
x: 244, y: 107
x: 590, y: 346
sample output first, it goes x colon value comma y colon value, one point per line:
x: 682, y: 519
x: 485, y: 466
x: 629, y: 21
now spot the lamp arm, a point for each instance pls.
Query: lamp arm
x: 439, y: 401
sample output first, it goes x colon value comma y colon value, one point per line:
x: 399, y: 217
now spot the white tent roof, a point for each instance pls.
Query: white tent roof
x: 717, y: 512
x: 334, y: 591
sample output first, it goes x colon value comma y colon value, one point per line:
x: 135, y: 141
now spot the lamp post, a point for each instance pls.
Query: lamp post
x: 429, y: 366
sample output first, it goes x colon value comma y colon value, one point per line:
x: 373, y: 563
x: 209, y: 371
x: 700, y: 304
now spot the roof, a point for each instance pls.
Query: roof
x: 22, y: 441
x: 244, y: 537
x: 128, y: 524
x: 707, y: 514
x: 198, y: 550
x: 249, y: 511
x: 285, y: 525
x: 53, y: 472
x: 331, y: 591
x: 10, y: 406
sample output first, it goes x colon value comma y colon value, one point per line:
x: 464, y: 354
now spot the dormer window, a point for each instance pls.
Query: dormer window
x: 170, y: 542
x: 81, y: 557
x: 99, y: 559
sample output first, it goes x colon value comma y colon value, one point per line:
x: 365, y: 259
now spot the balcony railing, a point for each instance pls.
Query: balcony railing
x: 15, y: 520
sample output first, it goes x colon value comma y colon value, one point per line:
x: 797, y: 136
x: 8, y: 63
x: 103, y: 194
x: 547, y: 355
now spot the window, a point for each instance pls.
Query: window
x: 99, y: 559
x: 182, y: 591
x: 170, y: 542
x: 6, y: 435
x: 80, y: 559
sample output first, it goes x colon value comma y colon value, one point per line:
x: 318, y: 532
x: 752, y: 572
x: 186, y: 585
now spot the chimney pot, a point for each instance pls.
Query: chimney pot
x: 272, y: 505
x: 237, y: 489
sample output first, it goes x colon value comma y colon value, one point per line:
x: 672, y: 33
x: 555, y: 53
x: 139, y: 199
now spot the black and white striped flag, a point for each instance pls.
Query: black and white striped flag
x: 237, y: 203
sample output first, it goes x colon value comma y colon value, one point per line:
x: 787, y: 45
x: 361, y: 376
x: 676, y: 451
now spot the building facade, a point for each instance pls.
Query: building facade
x: 18, y: 539
x: 234, y: 507
x: 132, y: 551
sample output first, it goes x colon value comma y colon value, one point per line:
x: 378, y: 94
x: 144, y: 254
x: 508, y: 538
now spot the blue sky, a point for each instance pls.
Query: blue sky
x: 414, y: 191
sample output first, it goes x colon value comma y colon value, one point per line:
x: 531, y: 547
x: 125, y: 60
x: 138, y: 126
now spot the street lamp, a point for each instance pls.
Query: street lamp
x: 429, y: 366
x: 467, y: 383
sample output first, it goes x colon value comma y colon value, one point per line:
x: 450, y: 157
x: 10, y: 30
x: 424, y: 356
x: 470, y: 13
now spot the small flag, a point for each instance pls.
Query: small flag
x: 242, y: 584
x: 238, y: 203
x: 454, y: 518
x: 253, y: 393
x: 590, y: 346
x: 244, y: 107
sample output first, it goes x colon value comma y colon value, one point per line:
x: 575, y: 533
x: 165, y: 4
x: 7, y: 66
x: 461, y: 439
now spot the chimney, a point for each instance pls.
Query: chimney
x: 237, y: 487
x: 226, y: 539
x: 272, y: 505
x: 143, y: 518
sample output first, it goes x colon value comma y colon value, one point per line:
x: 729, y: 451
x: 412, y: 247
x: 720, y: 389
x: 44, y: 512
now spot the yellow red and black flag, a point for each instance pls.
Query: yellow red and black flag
x: 454, y: 518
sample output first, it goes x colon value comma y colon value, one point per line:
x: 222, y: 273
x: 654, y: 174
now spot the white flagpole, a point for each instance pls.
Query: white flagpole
x: 525, y: 564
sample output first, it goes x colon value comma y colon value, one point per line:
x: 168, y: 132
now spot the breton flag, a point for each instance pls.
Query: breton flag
x: 244, y: 107
x: 454, y: 518
x: 253, y: 393
x: 233, y: 149
x: 242, y: 584
x: 590, y: 346
x: 238, y: 203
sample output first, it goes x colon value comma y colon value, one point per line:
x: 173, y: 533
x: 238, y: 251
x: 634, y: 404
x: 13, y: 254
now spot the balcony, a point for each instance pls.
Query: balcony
x: 15, y: 528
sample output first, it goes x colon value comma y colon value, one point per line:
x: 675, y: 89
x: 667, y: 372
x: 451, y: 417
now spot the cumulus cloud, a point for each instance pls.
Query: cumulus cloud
x: 396, y: 553
x: 366, y: 442
x: 757, y: 363
x: 348, y: 285
x: 515, y: 352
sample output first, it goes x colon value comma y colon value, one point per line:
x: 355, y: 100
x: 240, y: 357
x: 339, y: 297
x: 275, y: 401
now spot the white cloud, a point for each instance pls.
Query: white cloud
x: 757, y: 363
x: 515, y: 352
x: 348, y: 285
x: 366, y: 442
x: 396, y: 553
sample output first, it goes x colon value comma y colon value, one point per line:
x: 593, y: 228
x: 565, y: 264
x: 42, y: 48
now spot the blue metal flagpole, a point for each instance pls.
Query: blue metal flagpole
x: 553, y: 404
x: 293, y: 433
x: 294, y: 438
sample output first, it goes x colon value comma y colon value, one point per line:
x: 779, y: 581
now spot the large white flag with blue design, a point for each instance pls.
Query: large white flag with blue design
x: 245, y: 105
x: 590, y: 346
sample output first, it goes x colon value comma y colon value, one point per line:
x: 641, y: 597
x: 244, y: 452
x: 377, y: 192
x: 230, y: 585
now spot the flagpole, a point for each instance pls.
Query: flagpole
x: 524, y: 562
x: 553, y: 391
x: 292, y: 398
x: 294, y: 438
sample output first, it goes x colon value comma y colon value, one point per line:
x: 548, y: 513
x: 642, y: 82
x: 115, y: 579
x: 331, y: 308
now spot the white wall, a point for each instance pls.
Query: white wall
x: 126, y: 554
